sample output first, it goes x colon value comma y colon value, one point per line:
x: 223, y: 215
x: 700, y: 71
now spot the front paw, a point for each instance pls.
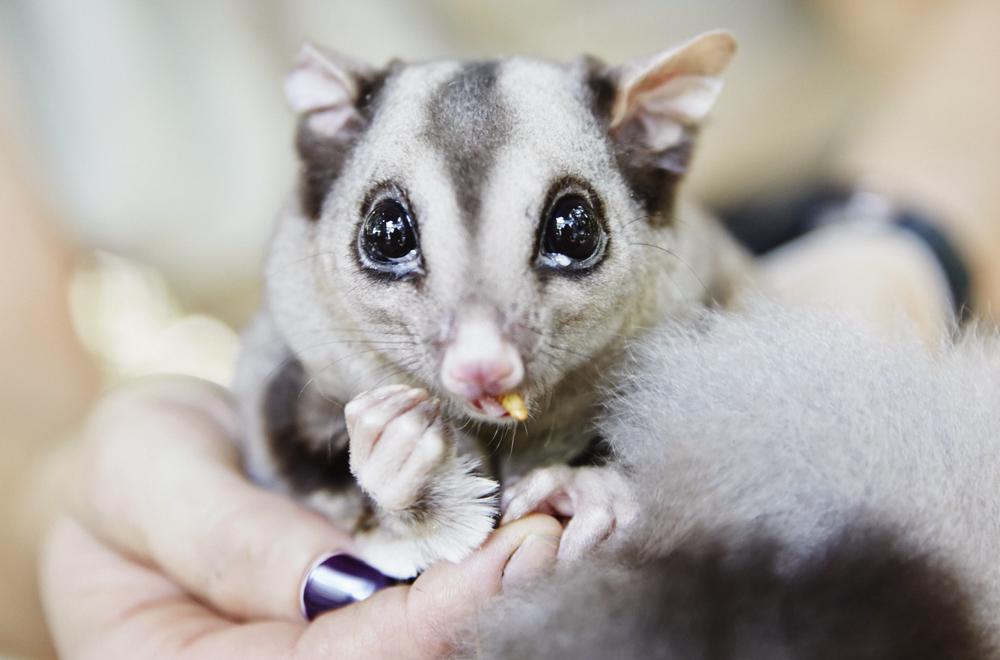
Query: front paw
x: 432, y: 502
x: 599, y: 503
x: 396, y: 444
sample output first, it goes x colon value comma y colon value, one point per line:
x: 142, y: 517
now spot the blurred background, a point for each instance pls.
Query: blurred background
x: 145, y: 147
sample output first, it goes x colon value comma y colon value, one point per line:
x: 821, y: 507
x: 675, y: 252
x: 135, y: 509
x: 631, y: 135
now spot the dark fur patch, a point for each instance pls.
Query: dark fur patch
x: 306, y: 464
x: 601, y: 88
x: 467, y: 123
x: 370, y: 89
x: 866, y: 596
x: 323, y: 157
x: 597, y: 453
x: 652, y: 177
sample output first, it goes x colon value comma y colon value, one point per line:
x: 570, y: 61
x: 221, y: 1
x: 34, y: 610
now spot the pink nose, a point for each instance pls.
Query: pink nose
x: 479, y: 360
x: 483, y: 377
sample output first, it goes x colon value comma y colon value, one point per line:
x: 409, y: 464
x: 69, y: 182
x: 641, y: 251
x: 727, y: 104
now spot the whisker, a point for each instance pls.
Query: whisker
x: 563, y: 349
x: 543, y: 334
x: 676, y: 256
x: 373, y: 344
x: 496, y: 431
x: 299, y: 260
x: 512, y: 436
x: 399, y: 368
x: 332, y: 329
x: 466, y: 424
x: 672, y: 219
x: 373, y: 336
x: 337, y: 361
x: 296, y: 355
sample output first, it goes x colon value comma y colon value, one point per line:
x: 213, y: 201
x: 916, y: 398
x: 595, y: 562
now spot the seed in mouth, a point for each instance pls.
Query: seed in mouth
x: 514, y: 405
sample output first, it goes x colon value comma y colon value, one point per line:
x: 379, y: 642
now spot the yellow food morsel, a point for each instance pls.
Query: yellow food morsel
x: 514, y: 405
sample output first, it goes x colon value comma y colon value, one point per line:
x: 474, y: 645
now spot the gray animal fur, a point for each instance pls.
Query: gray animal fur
x: 809, y: 488
x: 477, y: 151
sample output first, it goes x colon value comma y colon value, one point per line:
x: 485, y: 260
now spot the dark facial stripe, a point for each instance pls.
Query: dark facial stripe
x: 467, y: 123
x: 323, y: 157
x: 307, y: 464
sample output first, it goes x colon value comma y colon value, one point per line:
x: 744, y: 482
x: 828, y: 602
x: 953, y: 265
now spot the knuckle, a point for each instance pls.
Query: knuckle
x: 228, y: 552
x: 351, y: 411
x: 375, y: 464
x: 368, y: 425
x: 433, y: 445
x: 406, y: 427
x: 542, y: 480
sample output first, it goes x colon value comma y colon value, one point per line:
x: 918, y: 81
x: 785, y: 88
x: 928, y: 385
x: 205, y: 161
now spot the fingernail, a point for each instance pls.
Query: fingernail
x: 337, y: 580
x: 533, y: 559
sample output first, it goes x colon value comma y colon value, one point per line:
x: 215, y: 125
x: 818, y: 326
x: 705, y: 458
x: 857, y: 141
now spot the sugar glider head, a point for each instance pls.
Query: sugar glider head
x: 503, y: 221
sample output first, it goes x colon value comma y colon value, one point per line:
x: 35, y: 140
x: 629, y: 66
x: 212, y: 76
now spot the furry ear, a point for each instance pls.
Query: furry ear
x: 658, y: 101
x: 325, y: 86
x: 333, y: 95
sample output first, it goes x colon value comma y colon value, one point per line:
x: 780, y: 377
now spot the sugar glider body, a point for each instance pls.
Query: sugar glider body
x: 462, y: 231
x: 810, y: 490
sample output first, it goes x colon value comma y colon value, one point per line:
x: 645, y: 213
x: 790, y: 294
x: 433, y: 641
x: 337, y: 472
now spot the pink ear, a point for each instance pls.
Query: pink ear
x: 324, y: 86
x: 659, y: 98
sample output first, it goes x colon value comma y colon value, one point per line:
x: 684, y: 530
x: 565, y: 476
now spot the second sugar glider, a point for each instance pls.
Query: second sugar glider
x: 462, y: 231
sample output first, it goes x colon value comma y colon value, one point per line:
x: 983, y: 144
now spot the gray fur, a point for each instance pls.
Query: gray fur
x: 781, y: 449
x: 864, y: 597
x: 469, y: 145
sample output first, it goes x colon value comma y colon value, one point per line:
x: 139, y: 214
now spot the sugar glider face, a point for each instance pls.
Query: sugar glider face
x: 499, y: 214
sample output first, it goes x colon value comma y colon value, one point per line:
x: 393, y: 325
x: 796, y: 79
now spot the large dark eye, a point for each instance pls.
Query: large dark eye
x: 388, y: 240
x: 572, y: 237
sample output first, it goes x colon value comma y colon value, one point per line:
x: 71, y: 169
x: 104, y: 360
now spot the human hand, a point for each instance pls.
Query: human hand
x: 883, y: 275
x: 168, y: 551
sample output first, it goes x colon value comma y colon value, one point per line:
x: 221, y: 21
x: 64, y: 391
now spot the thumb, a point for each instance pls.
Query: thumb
x: 422, y: 619
x: 515, y: 555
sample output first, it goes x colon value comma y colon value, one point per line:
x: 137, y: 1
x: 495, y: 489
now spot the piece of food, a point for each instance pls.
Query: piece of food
x: 514, y: 405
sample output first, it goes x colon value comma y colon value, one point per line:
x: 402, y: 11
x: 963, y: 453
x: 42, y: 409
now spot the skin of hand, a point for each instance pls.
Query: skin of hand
x: 882, y: 275
x: 47, y: 382
x: 166, y: 550
x: 932, y: 140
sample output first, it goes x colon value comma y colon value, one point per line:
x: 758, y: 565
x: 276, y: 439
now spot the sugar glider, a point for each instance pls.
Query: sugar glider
x: 463, y: 231
x: 810, y: 490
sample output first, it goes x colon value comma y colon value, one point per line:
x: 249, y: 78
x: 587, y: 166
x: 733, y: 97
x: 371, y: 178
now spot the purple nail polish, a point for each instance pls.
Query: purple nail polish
x: 337, y: 580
